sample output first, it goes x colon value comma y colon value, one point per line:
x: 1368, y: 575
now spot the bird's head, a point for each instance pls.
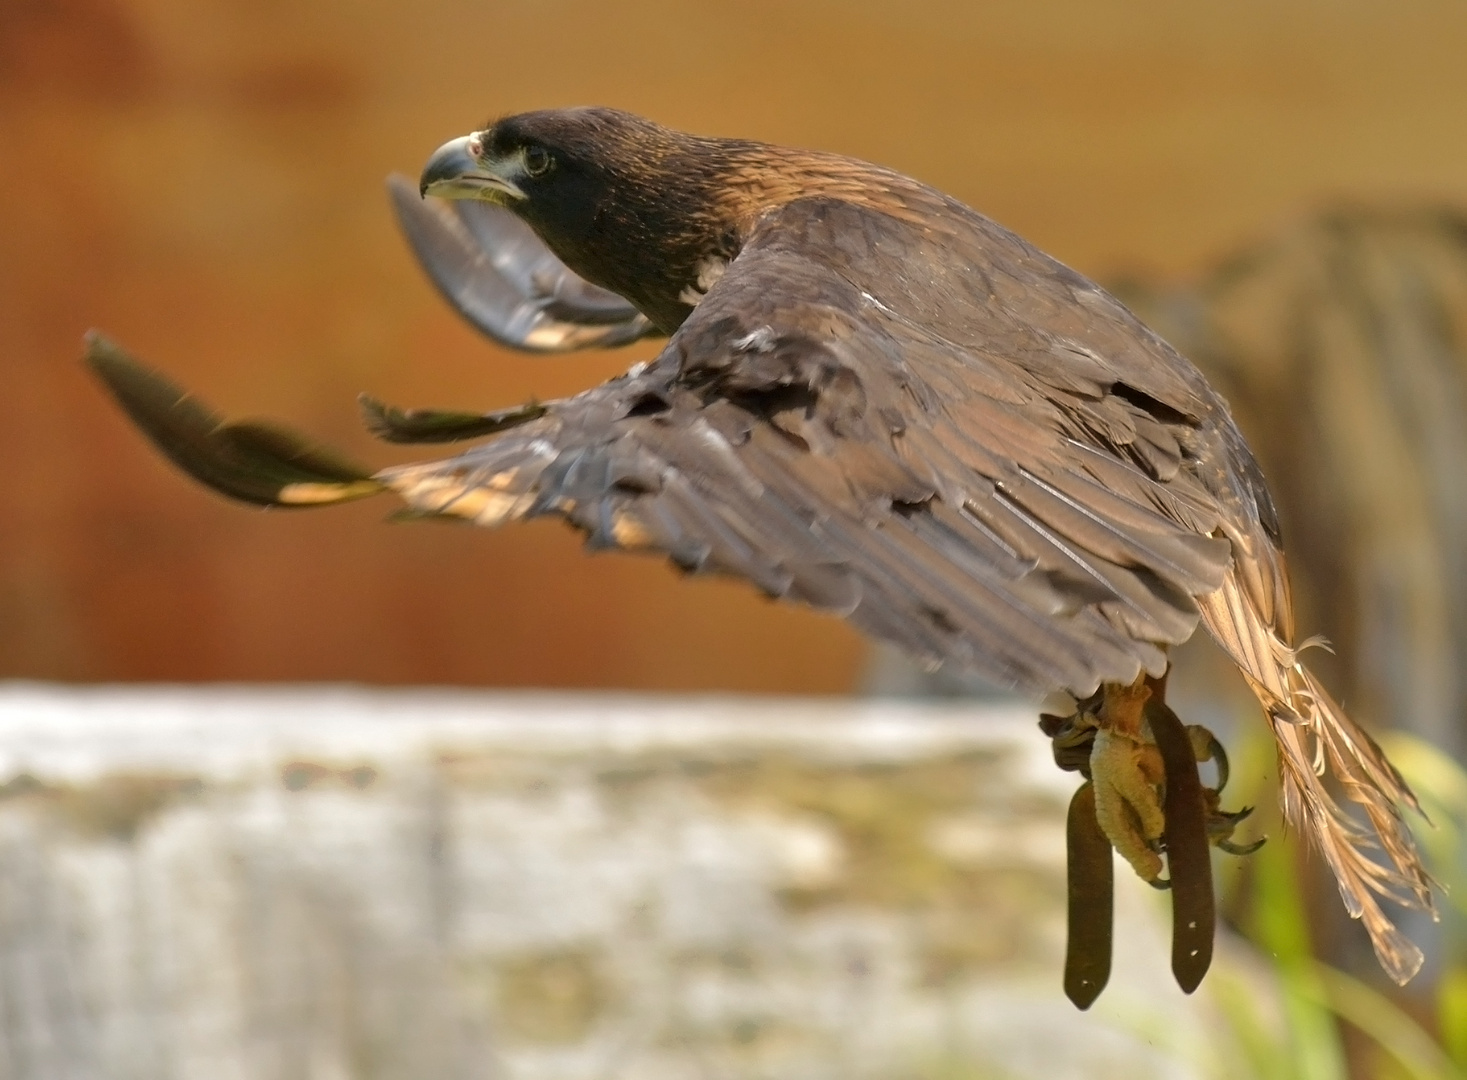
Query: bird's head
x: 538, y: 162
x: 628, y: 204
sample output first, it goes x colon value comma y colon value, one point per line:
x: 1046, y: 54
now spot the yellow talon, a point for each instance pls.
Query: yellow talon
x: 1127, y: 774
x: 1108, y: 740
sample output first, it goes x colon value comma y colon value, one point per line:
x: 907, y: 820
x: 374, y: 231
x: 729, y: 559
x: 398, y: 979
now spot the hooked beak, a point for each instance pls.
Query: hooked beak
x: 457, y: 170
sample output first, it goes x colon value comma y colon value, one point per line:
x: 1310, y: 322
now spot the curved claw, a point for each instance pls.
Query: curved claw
x: 502, y: 278
x: 1207, y: 747
x: 1220, y: 826
x: 1237, y: 816
x: 1220, y: 757
x: 1240, y: 849
x: 1072, y: 740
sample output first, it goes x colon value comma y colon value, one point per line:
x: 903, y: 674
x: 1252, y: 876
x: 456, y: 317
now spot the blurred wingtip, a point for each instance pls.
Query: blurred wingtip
x: 250, y: 461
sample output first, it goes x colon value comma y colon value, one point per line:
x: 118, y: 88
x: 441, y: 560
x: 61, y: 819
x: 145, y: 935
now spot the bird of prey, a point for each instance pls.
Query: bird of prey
x: 875, y: 401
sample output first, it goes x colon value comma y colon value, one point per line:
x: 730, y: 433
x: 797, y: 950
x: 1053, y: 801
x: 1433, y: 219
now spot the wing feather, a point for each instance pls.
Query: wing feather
x: 502, y: 278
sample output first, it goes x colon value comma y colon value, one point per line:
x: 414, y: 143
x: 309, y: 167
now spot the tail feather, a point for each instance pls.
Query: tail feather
x: 1316, y: 738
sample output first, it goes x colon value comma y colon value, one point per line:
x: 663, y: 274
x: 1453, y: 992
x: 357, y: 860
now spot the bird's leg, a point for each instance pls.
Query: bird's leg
x: 1130, y: 781
x: 1127, y: 771
x: 1140, y: 762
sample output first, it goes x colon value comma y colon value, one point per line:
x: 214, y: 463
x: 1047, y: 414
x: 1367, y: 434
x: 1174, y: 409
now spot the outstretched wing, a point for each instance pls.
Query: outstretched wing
x: 856, y: 418
x: 502, y: 278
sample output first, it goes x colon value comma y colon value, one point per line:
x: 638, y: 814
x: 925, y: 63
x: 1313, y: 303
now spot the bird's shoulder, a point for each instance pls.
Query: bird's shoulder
x: 921, y: 313
x: 929, y: 266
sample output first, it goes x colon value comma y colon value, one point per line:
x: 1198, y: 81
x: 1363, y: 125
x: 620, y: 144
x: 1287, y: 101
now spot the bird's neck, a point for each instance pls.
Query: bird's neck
x: 661, y: 238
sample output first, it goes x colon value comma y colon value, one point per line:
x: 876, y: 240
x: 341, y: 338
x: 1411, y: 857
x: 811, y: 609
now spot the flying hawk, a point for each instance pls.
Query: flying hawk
x: 874, y: 401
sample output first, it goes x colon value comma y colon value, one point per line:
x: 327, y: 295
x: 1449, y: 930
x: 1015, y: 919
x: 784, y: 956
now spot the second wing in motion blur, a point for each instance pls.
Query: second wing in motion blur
x: 502, y: 278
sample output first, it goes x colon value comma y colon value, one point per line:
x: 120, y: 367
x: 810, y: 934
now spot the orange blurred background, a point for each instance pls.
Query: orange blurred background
x: 203, y: 180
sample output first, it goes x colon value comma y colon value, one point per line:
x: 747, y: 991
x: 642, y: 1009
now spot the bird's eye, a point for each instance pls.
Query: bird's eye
x: 537, y: 160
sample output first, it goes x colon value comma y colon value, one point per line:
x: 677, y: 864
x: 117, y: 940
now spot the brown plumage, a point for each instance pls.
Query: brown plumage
x: 880, y: 403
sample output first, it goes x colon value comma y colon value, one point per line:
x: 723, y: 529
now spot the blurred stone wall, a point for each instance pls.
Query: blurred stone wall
x: 331, y: 884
